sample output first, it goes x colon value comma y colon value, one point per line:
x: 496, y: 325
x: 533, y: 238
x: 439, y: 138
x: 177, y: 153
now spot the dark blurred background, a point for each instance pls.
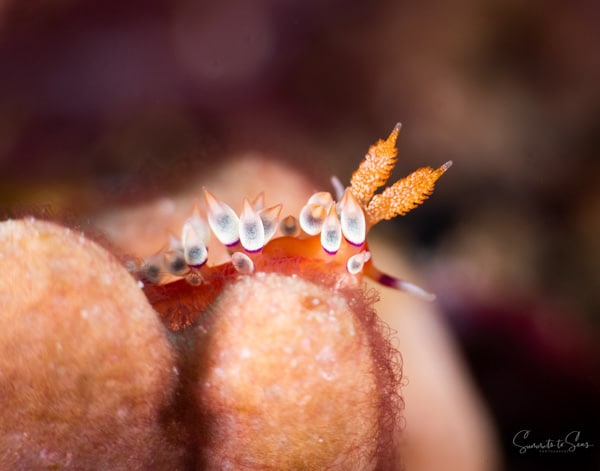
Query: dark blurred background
x: 104, y: 103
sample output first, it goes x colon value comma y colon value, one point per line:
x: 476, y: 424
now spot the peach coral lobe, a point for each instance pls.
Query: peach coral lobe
x: 86, y: 370
x: 277, y: 355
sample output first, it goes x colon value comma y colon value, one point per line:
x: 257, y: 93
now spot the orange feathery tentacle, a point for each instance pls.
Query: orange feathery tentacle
x: 405, y: 194
x: 375, y: 169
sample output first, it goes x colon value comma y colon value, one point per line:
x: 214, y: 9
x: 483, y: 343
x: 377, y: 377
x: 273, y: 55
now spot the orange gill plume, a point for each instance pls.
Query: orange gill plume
x: 328, y: 246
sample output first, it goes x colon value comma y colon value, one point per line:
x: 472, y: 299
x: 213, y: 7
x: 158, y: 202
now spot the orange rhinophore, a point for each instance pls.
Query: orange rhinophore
x: 375, y: 170
x: 326, y: 242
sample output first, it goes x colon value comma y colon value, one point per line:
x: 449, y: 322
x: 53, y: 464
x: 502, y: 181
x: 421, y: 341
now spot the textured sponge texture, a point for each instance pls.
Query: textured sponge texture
x: 86, y: 368
x: 286, y: 379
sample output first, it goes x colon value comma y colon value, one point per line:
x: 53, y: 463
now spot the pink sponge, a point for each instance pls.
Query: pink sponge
x: 86, y: 369
x: 292, y: 375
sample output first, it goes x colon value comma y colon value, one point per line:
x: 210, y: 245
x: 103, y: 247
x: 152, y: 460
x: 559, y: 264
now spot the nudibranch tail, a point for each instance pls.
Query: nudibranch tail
x: 329, y: 236
x: 384, y: 279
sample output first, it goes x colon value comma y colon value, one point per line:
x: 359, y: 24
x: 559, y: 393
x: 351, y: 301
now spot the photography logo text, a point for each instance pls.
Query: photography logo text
x: 572, y: 441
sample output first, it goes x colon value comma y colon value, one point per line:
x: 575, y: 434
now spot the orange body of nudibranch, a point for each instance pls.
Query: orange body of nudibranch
x: 310, y: 248
x: 331, y: 244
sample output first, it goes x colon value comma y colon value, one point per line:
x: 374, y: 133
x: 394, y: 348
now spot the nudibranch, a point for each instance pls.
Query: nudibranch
x: 326, y: 242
